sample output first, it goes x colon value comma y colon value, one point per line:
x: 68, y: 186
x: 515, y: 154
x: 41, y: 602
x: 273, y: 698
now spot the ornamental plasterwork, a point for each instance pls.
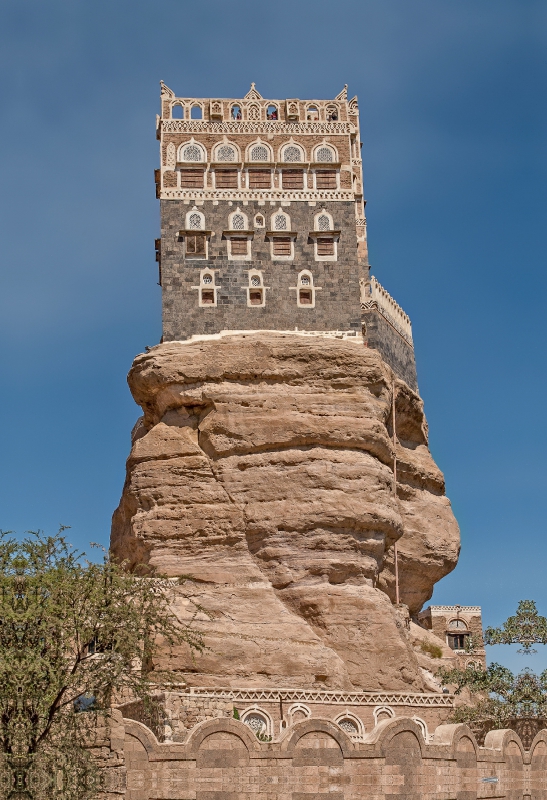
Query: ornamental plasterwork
x: 250, y: 194
x: 421, y: 699
x: 202, y: 126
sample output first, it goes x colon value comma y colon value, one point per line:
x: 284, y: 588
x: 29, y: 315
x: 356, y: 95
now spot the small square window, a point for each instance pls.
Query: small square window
x: 239, y: 247
x: 325, y: 247
x: 191, y: 178
x: 305, y: 297
x: 207, y: 297
x: 260, y: 179
x: 255, y: 298
x: 195, y: 245
x: 293, y: 179
x: 226, y: 179
x: 325, y: 179
x: 282, y: 246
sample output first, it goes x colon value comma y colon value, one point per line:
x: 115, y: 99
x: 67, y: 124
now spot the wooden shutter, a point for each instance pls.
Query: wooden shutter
x: 226, y: 178
x: 260, y: 179
x: 293, y: 179
x: 195, y: 245
x: 325, y: 247
x: 239, y: 247
x: 281, y: 246
x: 191, y: 178
x: 325, y: 179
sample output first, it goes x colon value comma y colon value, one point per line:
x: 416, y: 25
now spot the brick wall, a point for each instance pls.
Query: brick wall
x: 223, y: 760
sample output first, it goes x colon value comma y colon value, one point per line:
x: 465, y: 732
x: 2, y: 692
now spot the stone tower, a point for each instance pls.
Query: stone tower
x: 263, y: 223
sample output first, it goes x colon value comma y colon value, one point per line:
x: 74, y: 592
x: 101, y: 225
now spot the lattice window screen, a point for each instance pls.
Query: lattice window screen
x: 192, y: 153
x: 238, y: 222
x: 260, y: 153
x: 280, y: 222
x: 291, y: 154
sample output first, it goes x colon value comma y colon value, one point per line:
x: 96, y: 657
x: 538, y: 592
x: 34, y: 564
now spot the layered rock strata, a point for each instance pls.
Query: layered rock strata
x: 263, y: 469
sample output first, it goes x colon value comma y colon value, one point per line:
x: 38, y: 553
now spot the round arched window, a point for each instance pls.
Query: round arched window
x: 255, y: 280
x: 349, y: 726
x: 291, y: 154
x: 192, y: 153
x: 207, y: 278
x: 225, y: 153
x: 256, y: 722
x: 324, y: 154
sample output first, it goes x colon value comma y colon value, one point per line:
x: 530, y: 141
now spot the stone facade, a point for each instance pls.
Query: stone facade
x: 263, y: 224
x: 459, y: 627
x: 315, y: 759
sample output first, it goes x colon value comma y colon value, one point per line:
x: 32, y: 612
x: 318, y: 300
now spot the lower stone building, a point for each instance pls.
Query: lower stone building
x: 460, y: 627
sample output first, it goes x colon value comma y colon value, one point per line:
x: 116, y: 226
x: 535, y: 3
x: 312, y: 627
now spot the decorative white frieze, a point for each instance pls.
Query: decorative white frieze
x: 255, y: 127
x: 417, y: 699
x: 249, y: 194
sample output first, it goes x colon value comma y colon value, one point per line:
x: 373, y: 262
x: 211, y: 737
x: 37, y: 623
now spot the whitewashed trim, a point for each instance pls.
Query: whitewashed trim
x: 376, y: 297
x: 325, y: 697
x: 263, y: 127
x: 276, y: 195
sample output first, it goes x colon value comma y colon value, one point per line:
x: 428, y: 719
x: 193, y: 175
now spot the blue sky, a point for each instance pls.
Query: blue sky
x: 454, y: 124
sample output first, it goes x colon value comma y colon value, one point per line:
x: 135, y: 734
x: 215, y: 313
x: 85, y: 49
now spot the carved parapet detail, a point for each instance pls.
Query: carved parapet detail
x: 374, y: 296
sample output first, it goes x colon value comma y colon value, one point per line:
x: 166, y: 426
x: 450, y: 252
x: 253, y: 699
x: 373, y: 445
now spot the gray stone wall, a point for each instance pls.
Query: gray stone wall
x: 337, y: 305
x: 395, y: 351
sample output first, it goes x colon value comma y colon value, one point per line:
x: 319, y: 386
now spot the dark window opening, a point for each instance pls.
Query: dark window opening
x: 457, y: 640
x: 326, y: 179
x: 236, y: 112
x: 195, y: 245
x: 239, y: 247
x: 191, y: 178
x: 260, y: 179
x: 305, y: 297
x: 293, y: 179
x: 282, y: 246
x: 207, y: 297
x: 255, y: 298
x: 226, y: 178
x: 325, y: 247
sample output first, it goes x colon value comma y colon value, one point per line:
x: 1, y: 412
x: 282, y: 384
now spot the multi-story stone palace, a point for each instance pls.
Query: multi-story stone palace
x: 263, y: 223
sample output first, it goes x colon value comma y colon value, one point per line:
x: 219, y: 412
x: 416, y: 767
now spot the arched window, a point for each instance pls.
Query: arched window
x: 281, y: 222
x: 312, y: 114
x: 238, y: 236
x: 207, y: 291
x: 255, y: 290
x: 305, y: 291
x: 171, y: 156
x: 259, y: 221
x: 332, y: 113
x: 253, y: 113
x: 225, y: 152
x: 235, y: 113
x: 196, y: 112
x: 351, y: 725
x: 191, y: 152
x: 195, y: 221
x: 325, y: 244
x: 298, y: 713
x: 422, y: 726
x: 259, y: 722
x: 272, y: 113
x: 323, y: 222
x: 324, y: 153
x: 457, y: 624
x: 260, y: 153
x: 177, y: 111
x: 238, y: 222
x: 382, y: 713
x: 292, y: 153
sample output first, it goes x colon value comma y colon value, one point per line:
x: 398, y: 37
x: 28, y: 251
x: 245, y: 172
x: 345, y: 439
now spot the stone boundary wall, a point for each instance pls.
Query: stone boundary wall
x: 315, y: 760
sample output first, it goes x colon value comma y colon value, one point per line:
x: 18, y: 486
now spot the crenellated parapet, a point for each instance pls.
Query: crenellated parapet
x: 316, y: 758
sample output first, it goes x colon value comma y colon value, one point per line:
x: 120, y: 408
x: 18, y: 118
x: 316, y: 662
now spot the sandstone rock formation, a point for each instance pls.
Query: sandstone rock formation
x: 262, y: 468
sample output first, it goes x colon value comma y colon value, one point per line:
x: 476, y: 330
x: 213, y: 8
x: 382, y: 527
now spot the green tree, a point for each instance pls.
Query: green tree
x: 74, y: 636
x: 500, y: 697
